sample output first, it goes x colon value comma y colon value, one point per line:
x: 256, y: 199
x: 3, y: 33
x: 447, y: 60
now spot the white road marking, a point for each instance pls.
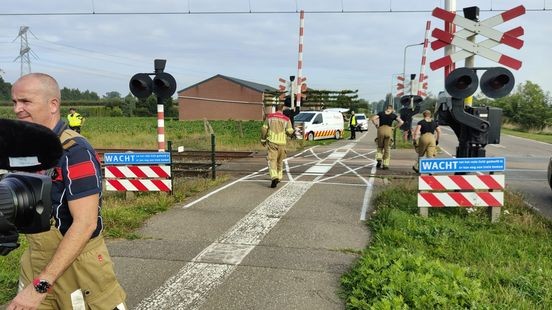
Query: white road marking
x: 190, y: 286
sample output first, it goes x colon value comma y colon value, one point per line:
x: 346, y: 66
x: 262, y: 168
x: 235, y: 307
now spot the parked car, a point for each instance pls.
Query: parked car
x: 550, y: 173
x: 362, y: 122
x: 314, y: 125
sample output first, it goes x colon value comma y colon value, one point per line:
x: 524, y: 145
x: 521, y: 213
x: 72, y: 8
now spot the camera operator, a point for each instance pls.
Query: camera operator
x: 67, y: 267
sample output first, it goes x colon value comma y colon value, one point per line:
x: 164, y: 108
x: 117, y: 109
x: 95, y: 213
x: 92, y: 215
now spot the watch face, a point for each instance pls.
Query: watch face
x: 41, y: 286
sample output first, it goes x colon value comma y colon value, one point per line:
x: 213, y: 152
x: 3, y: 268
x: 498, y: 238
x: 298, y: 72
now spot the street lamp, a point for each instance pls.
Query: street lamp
x: 404, y: 58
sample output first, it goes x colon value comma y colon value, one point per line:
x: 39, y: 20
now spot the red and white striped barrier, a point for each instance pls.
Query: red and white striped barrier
x: 137, y: 185
x: 422, y: 82
x: 461, y: 182
x: 461, y: 199
x: 300, y: 60
x: 138, y: 178
x: 488, y: 189
x: 137, y: 171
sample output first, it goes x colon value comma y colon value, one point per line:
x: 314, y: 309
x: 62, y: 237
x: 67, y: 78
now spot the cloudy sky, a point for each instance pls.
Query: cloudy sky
x: 348, y: 44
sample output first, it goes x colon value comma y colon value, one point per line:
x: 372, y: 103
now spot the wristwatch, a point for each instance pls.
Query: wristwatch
x: 41, y: 286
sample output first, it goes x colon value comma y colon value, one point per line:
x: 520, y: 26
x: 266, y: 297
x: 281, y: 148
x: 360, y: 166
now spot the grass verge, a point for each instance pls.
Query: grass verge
x: 121, y: 219
x: 454, y: 259
x: 542, y: 137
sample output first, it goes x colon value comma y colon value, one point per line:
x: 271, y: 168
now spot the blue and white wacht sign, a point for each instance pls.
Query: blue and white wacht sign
x: 130, y: 158
x: 472, y: 164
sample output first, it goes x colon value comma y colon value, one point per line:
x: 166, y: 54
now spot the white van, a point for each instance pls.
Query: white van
x: 315, y: 125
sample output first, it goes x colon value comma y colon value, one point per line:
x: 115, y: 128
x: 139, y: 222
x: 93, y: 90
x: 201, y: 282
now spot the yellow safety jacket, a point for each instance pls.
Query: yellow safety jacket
x: 275, y: 128
x: 74, y: 119
x: 353, y: 121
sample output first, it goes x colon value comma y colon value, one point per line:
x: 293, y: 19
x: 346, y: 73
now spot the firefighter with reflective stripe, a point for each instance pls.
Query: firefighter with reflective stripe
x: 276, y: 128
x: 353, y: 125
x: 67, y: 267
x: 384, y: 123
x: 426, y: 138
x: 75, y: 120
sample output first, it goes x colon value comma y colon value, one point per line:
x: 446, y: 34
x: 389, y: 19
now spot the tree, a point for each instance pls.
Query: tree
x: 529, y: 107
x: 5, y: 90
x: 112, y: 95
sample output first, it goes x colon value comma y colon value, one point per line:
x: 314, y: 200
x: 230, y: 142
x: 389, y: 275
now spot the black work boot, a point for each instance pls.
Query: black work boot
x: 274, y: 183
x: 378, y: 165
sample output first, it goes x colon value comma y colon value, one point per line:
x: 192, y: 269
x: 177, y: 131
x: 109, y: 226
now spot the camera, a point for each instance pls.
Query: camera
x: 25, y: 207
x: 25, y: 197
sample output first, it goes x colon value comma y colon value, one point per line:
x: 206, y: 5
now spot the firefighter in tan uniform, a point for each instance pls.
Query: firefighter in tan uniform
x: 69, y: 266
x: 426, y: 138
x: 274, y: 134
x: 384, y: 123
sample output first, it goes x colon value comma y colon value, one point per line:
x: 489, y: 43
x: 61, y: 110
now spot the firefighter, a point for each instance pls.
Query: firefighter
x: 384, y: 123
x: 273, y: 136
x: 426, y: 138
x: 75, y: 120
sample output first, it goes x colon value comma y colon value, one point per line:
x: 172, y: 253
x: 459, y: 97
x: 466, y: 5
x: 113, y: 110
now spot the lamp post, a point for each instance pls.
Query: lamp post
x: 404, y: 58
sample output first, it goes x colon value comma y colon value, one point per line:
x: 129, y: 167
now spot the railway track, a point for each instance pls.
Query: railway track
x: 189, y: 163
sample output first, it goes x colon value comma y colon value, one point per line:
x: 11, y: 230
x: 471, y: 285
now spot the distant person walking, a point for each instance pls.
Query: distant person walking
x: 75, y: 120
x: 406, y: 114
x: 273, y: 135
x: 426, y: 138
x: 353, y: 125
x: 384, y: 123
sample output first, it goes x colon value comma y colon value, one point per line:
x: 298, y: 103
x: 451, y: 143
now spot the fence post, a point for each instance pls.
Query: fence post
x: 213, y: 162
x: 169, y: 150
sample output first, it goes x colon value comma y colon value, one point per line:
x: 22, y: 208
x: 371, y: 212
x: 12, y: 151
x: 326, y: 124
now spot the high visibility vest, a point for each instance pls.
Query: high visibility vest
x: 353, y: 120
x: 276, y: 127
x: 74, y: 119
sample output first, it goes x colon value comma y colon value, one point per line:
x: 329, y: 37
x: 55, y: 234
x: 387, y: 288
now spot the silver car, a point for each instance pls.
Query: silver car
x: 362, y: 122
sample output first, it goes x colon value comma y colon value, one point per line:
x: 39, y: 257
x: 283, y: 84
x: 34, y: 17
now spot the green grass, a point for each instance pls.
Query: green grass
x: 454, y: 259
x: 542, y: 137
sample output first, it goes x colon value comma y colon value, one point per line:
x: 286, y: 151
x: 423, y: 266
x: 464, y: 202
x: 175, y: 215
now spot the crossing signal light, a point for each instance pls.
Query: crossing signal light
x: 462, y: 82
x: 415, y: 99
x: 497, y: 82
x: 163, y: 84
x: 141, y: 85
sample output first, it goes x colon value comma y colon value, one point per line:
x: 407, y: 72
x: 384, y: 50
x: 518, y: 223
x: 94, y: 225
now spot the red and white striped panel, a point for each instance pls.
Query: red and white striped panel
x: 483, y: 28
x: 472, y: 48
x: 461, y: 199
x: 137, y: 172
x: 138, y: 185
x: 461, y: 182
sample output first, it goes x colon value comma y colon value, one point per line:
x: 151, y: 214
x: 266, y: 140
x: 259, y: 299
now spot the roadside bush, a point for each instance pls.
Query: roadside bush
x: 398, y: 279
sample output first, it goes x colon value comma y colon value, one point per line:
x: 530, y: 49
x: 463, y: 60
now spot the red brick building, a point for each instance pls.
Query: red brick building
x: 221, y: 98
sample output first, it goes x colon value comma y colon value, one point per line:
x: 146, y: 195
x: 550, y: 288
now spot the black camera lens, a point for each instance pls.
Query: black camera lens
x: 25, y: 202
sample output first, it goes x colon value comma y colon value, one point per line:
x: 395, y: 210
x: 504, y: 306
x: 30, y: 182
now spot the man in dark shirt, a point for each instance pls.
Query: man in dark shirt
x: 70, y: 265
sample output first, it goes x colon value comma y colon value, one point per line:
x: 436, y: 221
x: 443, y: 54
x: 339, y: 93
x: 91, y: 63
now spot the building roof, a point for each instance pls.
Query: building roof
x: 255, y: 86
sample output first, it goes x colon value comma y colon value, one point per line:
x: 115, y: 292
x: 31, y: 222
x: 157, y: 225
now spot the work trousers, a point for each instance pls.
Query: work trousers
x: 88, y: 284
x: 427, y: 147
x: 383, y: 151
x: 276, y: 153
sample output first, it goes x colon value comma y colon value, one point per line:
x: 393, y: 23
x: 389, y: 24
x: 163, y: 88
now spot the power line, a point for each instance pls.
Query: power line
x: 390, y: 11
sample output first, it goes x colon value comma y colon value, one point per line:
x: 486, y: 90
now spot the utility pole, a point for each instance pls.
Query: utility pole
x: 24, y: 51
